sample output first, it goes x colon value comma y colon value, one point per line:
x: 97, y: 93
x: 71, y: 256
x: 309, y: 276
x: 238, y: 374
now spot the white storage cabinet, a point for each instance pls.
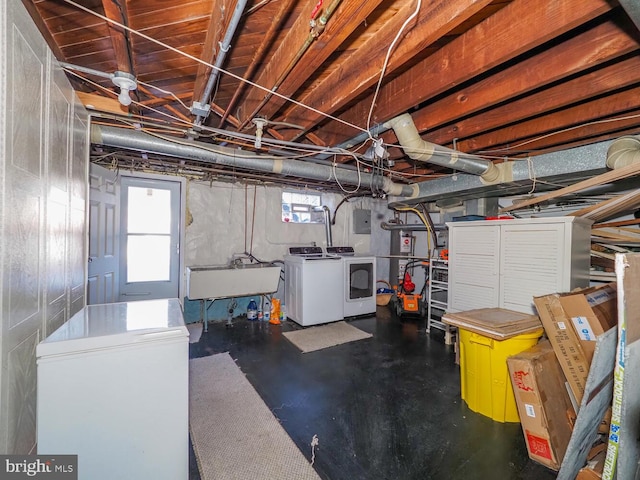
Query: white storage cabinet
x: 505, y: 263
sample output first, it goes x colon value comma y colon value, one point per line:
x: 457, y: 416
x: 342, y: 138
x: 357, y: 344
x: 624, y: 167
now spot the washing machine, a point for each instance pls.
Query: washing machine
x: 314, y: 286
x: 359, y: 289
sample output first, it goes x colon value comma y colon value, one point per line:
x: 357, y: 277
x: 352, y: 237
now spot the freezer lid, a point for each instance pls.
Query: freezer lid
x: 116, y: 324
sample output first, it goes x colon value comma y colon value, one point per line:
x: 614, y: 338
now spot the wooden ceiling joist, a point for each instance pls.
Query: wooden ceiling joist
x: 518, y: 27
x: 220, y: 15
x: 594, y: 84
x: 343, y: 22
x: 272, y: 71
x: 115, y: 10
x: 599, y: 45
x: 342, y: 85
x: 603, y: 108
x: 258, y: 56
x: 494, y: 77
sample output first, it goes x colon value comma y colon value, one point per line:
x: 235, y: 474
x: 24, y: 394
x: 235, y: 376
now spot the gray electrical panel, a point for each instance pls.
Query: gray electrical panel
x: 362, y: 221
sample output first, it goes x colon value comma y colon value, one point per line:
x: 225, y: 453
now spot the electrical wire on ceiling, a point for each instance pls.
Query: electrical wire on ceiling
x: 309, y: 149
x: 209, y: 65
x: 386, y: 62
x: 303, y: 147
x: 256, y: 7
x: 175, y: 97
x: 333, y: 169
x: 485, y: 153
x: 238, y: 153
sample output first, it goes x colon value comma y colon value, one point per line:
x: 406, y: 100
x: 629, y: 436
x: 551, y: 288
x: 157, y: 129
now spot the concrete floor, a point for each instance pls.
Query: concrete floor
x: 386, y: 407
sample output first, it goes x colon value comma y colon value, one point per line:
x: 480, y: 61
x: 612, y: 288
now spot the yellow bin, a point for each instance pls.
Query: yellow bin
x: 484, y: 377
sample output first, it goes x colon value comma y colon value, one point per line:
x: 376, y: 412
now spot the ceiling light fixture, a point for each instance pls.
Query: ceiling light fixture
x: 126, y: 82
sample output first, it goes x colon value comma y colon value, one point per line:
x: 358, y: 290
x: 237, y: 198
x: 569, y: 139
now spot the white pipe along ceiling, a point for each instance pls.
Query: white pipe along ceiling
x: 418, y: 149
x: 208, y: 153
x: 623, y: 151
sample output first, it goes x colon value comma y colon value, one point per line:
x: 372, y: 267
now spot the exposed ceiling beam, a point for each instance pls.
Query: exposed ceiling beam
x: 115, y: 10
x: 518, y: 27
x: 220, y: 15
x: 347, y: 18
x: 616, y: 105
x: 596, y: 83
x: 280, y: 60
x: 343, y: 84
x: 160, y: 101
x: 599, y: 45
x: 258, y: 56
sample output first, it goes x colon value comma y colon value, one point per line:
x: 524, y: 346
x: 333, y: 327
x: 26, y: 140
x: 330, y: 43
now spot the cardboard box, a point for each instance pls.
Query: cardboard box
x: 595, y: 464
x: 593, y: 311
x: 543, y: 403
x: 565, y: 342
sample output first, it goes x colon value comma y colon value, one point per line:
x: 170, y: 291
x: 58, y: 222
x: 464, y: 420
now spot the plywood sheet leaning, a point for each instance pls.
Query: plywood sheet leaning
x: 623, y: 451
x: 608, y: 177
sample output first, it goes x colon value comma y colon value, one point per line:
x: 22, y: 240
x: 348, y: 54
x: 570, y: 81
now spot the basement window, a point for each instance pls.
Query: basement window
x: 298, y: 207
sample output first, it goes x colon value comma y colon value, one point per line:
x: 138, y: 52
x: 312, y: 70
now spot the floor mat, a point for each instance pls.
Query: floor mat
x: 325, y: 336
x: 234, y: 434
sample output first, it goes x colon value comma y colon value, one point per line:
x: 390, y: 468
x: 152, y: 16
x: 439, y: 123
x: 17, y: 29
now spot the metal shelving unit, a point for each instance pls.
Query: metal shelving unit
x: 437, y: 297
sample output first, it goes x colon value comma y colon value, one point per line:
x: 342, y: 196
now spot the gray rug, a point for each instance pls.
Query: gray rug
x: 234, y: 434
x: 325, y: 336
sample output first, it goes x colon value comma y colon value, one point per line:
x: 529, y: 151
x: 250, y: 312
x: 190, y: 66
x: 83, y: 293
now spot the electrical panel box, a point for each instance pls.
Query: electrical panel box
x: 362, y: 221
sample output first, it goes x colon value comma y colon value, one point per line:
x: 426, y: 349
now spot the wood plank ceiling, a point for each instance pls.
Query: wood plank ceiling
x: 497, y: 78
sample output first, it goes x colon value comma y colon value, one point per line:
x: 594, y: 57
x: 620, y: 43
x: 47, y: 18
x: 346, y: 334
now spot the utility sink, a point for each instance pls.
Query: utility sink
x: 224, y: 281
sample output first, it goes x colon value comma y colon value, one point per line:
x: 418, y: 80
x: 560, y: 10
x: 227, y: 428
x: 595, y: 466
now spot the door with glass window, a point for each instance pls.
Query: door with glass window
x: 149, y: 239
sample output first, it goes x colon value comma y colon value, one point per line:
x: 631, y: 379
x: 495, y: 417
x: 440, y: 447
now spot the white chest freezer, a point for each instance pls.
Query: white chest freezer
x: 113, y: 389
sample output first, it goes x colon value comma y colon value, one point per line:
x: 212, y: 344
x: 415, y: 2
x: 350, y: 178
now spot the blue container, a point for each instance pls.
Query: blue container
x: 252, y: 310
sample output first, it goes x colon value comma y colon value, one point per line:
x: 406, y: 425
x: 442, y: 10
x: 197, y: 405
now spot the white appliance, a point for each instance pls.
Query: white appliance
x: 113, y: 387
x: 359, y: 286
x: 359, y: 271
x: 314, y: 286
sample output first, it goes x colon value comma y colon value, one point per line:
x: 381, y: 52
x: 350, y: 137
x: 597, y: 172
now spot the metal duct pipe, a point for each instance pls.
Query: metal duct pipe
x: 327, y: 224
x: 222, y: 54
x: 188, y: 149
x: 418, y: 149
x: 623, y: 151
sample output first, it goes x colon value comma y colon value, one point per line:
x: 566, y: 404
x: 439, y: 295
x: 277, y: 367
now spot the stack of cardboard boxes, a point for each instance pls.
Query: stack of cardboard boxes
x: 549, y: 379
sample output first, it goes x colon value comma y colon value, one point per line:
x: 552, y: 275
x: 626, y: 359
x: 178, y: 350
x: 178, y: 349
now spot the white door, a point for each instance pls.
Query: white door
x: 149, y: 239
x: 104, y: 245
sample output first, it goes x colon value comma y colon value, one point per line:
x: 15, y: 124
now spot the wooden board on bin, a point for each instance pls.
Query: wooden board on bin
x: 496, y: 323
